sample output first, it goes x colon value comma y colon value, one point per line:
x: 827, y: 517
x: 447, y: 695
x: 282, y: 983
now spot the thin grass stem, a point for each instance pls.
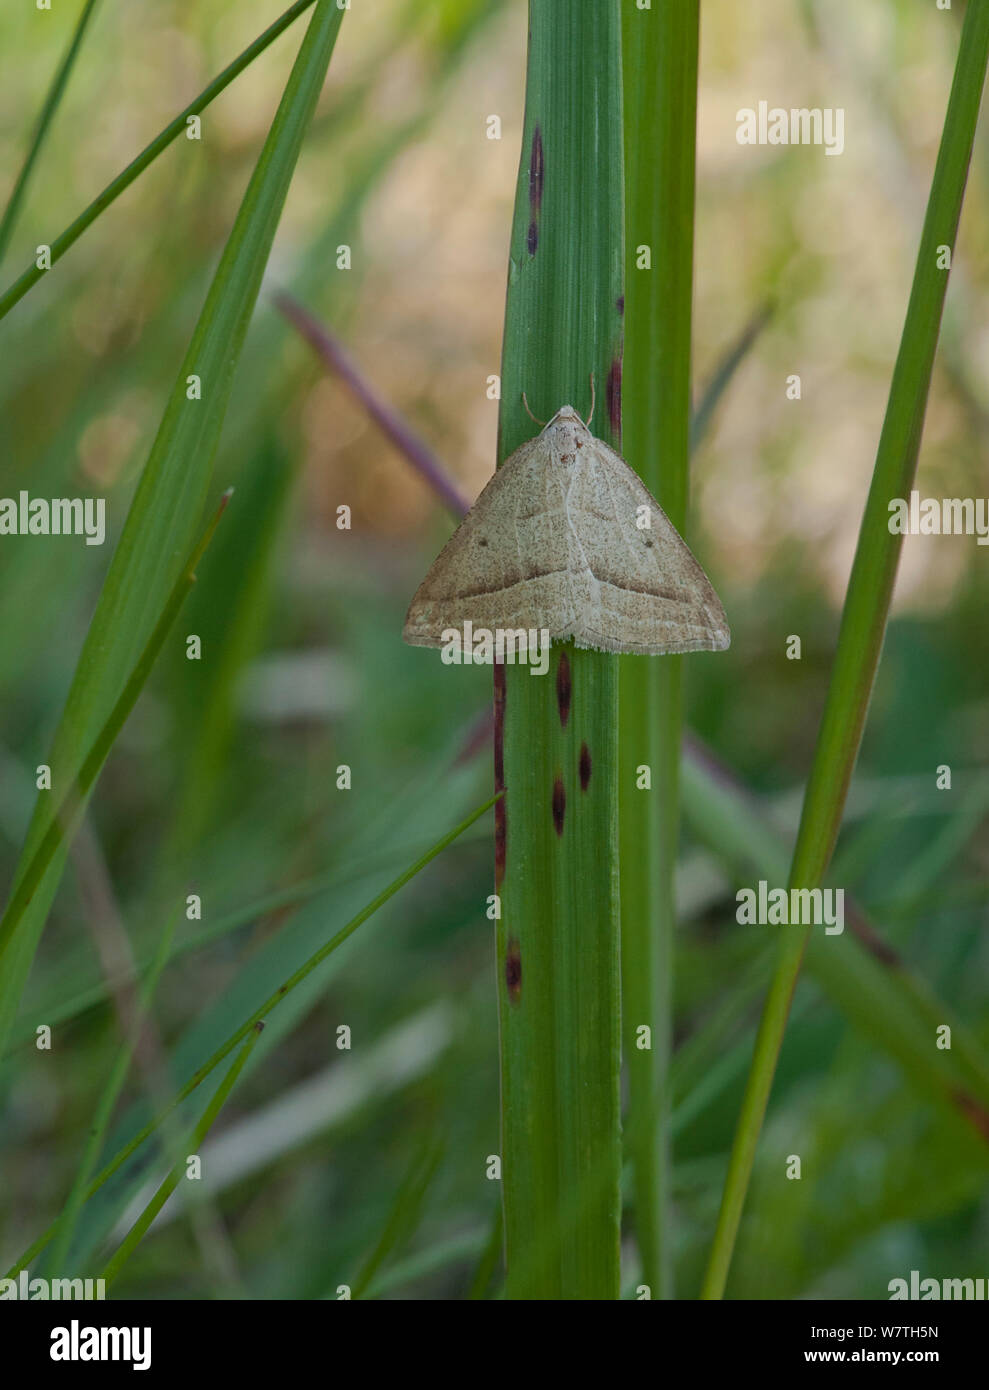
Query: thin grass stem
x: 45, y: 119
x: 65, y: 240
x: 866, y: 609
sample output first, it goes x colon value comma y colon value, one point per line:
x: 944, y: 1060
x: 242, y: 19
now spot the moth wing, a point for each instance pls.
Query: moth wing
x: 504, y: 564
x: 639, y: 589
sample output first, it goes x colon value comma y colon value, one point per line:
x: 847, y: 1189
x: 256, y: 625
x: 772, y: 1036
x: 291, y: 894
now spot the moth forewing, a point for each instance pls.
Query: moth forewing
x: 566, y: 537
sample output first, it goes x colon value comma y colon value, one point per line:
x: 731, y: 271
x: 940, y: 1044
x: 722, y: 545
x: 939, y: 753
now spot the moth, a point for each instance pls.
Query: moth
x: 567, y: 537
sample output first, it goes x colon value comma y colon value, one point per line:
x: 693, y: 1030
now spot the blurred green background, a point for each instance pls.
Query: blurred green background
x: 224, y: 783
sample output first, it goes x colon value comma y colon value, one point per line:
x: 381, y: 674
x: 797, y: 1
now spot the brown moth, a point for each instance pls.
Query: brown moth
x: 566, y: 537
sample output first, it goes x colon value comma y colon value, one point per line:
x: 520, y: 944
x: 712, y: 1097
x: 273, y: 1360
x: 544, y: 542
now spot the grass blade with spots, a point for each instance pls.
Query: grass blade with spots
x: 660, y: 53
x: 866, y: 609
x: 170, y: 496
x: 556, y: 738
x: 52, y: 101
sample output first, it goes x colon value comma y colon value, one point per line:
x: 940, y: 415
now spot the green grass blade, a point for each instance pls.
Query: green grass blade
x: 68, y: 811
x: 935, y: 859
x: 866, y: 609
x: 866, y: 979
x: 141, y: 1226
x: 559, y: 928
x: 229, y: 614
x: 60, y: 1007
x: 660, y: 49
x: 104, y: 1110
x: 62, y: 243
x: 404, y: 1217
x: 52, y: 101
x: 269, y: 1004
x: 424, y: 1262
x: 490, y: 1257
x: 170, y: 496
x: 729, y: 364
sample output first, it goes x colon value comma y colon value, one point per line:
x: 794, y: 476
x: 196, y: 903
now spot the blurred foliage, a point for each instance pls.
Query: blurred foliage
x: 224, y: 783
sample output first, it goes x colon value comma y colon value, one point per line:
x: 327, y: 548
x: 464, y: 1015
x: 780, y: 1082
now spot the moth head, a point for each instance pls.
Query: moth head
x: 568, y: 433
x: 566, y: 415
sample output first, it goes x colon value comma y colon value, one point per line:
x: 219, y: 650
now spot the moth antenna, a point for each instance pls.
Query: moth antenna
x: 591, y: 416
x: 541, y: 423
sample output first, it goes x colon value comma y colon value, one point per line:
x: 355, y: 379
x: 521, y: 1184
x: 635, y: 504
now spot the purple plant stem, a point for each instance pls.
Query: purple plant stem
x: 330, y: 349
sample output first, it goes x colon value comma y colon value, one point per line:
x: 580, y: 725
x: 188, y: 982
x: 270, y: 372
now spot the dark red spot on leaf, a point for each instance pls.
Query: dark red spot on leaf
x: 532, y: 238
x: 585, y: 766
x: 501, y: 840
x: 513, y: 971
x: 563, y: 688
x: 973, y: 1111
x: 536, y: 172
x: 620, y: 304
x: 872, y: 941
x: 559, y: 805
x: 615, y: 397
